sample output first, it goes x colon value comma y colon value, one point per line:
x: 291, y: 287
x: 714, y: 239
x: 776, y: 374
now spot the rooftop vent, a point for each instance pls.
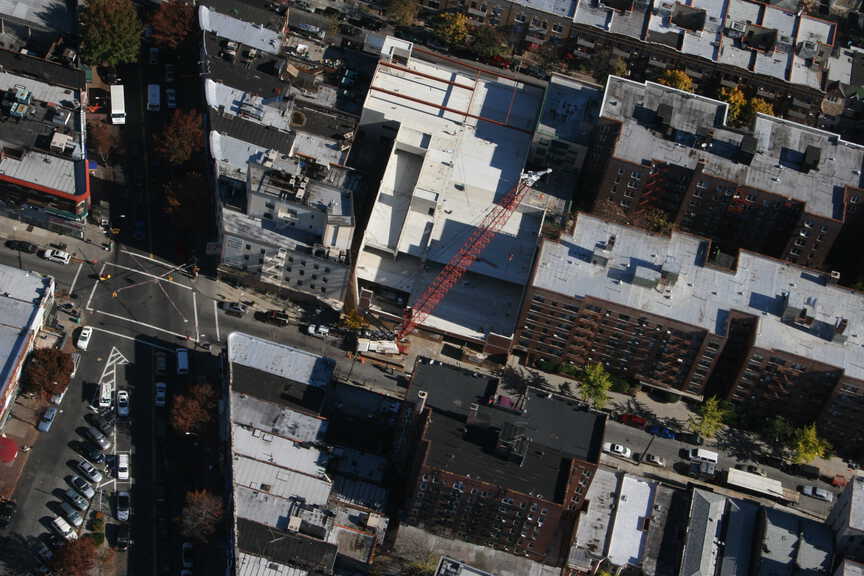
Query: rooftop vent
x: 812, y: 157
x: 746, y: 149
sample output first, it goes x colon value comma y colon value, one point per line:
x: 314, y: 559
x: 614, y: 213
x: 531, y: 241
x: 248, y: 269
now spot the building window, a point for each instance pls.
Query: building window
x: 248, y: 246
x: 557, y: 28
x: 520, y: 18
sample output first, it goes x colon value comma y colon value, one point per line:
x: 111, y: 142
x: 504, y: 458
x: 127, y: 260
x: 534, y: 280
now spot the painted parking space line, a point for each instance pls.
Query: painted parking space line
x: 138, y: 340
x: 154, y: 276
x: 195, y: 310
x: 216, y: 317
x: 151, y: 326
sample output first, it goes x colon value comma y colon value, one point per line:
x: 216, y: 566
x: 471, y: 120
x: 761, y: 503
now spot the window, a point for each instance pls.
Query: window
x: 520, y: 18
x: 248, y: 246
x: 557, y: 28
x: 262, y: 250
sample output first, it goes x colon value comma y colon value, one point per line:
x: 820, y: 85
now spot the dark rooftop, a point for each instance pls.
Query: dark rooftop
x: 255, y: 11
x: 43, y: 70
x: 688, y: 17
x: 259, y: 77
x: 313, y: 119
x: 251, y: 132
x: 526, y: 449
x: 285, y: 548
x: 277, y: 389
x: 622, y: 5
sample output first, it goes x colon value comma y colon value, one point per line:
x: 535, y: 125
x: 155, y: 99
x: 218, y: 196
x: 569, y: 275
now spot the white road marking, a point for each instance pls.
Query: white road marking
x: 75, y: 279
x: 138, y: 340
x: 195, y: 310
x: 93, y: 291
x: 137, y: 255
x: 216, y: 316
x: 155, y: 277
x: 165, y: 292
x: 117, y: 316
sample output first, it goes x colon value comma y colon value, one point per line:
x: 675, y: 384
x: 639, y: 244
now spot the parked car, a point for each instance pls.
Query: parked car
x: 617, y: 450
x: 186, y: 555
x: 8, y: 508
x: 89, y: 471
x: 171, y: 98
x: 274, y: 317
x: 84, y: 338
x: 76, y: 499
x: 41, y: 551
x: 806, y: 471
x: 63, y: 528
x: 690, y: 438
x: 154, y: 55
x: 82, y: 486
x: 98, y: 438
x: 122, y: 466
x: 170, y: 73
x: 59, y: 256
x: 234, y: 308
x: 91, y: 452
x: 661, y: 431
x: 124, y: 506
x: 633, y: 420
x: 71, y: 514
x: 122, y: 537
x: 22, y: 246
x: 654, y: 460
x: 161, y: 394
x: 104, y: 422
x: 816, y: 492
x: 123, y: 403
x: 47, y: 419
x: 160, y: 362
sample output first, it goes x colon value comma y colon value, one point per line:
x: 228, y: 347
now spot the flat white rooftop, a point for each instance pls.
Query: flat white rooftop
x: 634, y: 506
x: 445, y: 174
x: 278, y: 359
x: 276, y: 419
x: 232, y: 157
x: 249, y: 34
x: 703, y: 296
x: 780, y: 149
x: 252, y: 565
x: 593, y: 527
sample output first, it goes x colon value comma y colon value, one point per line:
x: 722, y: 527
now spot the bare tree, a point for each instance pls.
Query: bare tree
x: 201, y: 513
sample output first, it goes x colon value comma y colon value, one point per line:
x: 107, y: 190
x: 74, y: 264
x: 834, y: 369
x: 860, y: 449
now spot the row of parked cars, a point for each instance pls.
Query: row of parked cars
x: 52, y: 254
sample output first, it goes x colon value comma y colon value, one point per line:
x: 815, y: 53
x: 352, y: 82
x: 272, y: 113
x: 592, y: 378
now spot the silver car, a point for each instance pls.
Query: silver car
x: 124, y: 506
x: 89, y: 471
x: 76, y: 499
x: 71, y: 515
x: 47, y: 419
x: 82, y: 486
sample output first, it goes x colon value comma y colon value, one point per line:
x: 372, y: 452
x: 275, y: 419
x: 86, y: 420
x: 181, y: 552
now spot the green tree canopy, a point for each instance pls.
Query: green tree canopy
x: 594, y: 385
x: 111, y: 32
x: 488, y: 42
x: 807, y: 445
x: 677, y: 79
x: 709, y: 420
x: 452, y: 28
x: 403, y: 12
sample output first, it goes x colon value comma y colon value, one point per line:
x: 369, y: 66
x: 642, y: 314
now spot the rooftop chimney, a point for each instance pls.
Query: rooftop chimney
x: 422, y: 395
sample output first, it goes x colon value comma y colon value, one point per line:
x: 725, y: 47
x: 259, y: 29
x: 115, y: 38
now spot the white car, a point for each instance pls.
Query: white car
x: 816, y: 492
x: 617, y: 450
x: 654, y: 460
x: 58, y: 256
x: 161, y: 394
x: 123, y: 403
x: 84, y: 338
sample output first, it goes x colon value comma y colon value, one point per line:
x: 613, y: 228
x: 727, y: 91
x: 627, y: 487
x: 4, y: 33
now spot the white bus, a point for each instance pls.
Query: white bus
x: 118, y: 104
x: 153, y: 97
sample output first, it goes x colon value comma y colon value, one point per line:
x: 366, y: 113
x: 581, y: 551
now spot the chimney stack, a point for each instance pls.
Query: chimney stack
x: 422, y: 395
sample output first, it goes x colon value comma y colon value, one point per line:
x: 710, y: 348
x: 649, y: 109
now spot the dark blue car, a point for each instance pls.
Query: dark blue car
x: 662, y: 431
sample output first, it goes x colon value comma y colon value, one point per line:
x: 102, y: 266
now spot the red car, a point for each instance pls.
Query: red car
x: 633, y: 420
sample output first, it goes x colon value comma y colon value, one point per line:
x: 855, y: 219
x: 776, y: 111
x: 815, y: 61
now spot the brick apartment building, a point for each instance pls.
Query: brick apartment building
x: 508, y: 472
x: 770, y: 336
x: 786, y: 190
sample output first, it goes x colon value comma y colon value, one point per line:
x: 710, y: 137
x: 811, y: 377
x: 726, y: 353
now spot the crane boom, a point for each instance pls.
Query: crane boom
x: 467, y: 254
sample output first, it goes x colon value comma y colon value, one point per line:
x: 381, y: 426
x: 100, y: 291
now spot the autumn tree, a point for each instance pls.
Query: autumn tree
x: 353, y: 320
x: 778, y: 431
x: 452, y: 28
x: 403, y: 12
x: 594, y: 385
x: 111, y: 32
x: 737, y: 101
x: 181, y: 137
x: 74, y: 558
x: 189, y: 412
x: 172, y: 23
x: 656, y: 220
x: 202, y: 511
x: 760, y: 106
x: 676, y: 79
x: 103, y: 140
x: 489, y: 42
x: 48, y: 371
x: 709, y: 419
x: 807, y: 445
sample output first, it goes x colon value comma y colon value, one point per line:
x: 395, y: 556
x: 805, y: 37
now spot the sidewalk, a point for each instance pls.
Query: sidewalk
x: 89, y: 249
x: 674, y: 415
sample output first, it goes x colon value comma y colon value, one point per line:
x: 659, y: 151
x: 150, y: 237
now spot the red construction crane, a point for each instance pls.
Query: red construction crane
x: 467, y: 254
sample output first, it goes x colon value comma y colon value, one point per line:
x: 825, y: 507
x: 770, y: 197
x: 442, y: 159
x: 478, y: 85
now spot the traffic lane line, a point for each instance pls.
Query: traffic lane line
x: 154, y: 276
x: 195, y: 310
x: 151, y: 326
x: 75, y: 278
x: 93, y: 290
x: 216, y: 318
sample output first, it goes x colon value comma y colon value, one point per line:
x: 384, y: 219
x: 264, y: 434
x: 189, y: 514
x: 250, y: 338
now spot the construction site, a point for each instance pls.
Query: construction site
x: 449, y: 245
